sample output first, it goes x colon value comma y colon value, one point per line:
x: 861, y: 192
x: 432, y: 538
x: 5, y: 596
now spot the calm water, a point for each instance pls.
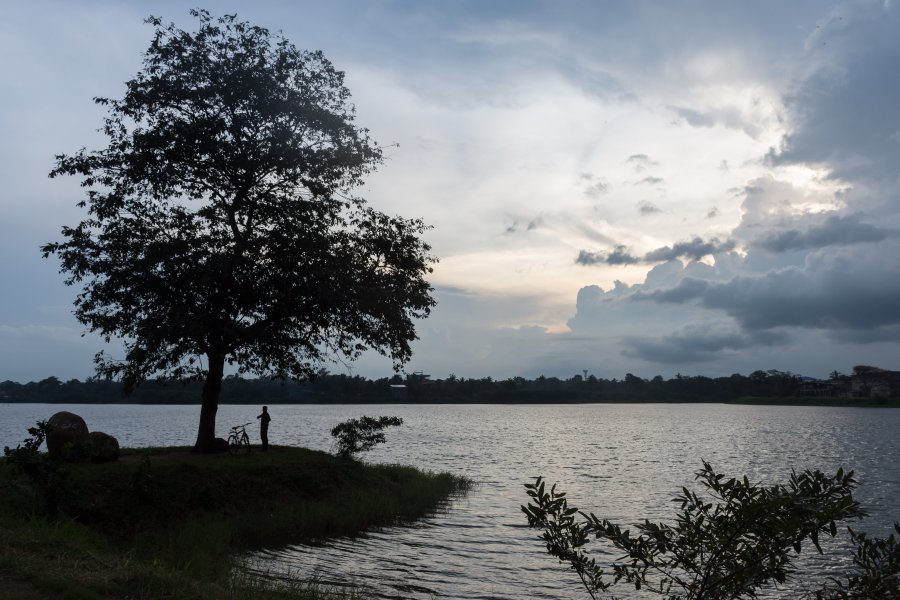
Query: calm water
x: 623, y: 462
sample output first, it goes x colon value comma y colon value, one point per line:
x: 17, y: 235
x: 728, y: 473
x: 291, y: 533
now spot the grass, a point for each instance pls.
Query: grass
x: 163, y: 523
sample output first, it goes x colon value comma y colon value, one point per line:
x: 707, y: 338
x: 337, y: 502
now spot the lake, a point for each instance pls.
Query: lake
x: 623, y: 462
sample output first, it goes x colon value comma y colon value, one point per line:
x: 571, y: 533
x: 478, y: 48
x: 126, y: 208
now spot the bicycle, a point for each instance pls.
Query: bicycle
x: 237, y: 438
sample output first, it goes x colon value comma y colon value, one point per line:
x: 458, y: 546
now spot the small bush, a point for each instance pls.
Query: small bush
x: 361, y: 435
x: 44, y: 473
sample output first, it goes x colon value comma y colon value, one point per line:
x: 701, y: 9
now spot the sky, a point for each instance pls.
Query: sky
x: 693, y: 187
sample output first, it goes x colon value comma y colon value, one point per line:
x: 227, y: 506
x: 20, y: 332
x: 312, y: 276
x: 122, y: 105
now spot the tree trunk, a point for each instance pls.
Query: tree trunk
x: 206, y: 434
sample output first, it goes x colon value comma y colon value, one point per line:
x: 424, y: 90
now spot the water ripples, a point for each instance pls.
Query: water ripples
x: 623, y: 462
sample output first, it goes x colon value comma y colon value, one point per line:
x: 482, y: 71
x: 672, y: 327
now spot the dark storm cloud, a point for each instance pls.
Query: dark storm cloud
x: 687, y: 289
x: 866, y: 336
x: 846, y: 111
x: 694, y: 249
x: 836, y: 290
x: 698, y: 344
x: 835, y: 230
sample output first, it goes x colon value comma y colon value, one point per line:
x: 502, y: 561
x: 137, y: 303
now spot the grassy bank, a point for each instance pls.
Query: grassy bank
x: 162, y: 523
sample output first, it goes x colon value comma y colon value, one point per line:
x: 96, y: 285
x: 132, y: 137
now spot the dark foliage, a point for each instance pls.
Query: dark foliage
x: 876, y: 573
x: 221, y: 227
x: 362, y: 434
x: 331, y: 388
x: 46, y: 476
x: 724, y: 544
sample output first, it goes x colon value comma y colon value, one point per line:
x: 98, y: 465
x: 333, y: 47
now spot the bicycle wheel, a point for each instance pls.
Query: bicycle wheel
x: 233, y: 444
x: 246, y: 441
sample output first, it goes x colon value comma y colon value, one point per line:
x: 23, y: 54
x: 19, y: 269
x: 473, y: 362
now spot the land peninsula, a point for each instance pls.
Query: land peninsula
x: 169, y: 523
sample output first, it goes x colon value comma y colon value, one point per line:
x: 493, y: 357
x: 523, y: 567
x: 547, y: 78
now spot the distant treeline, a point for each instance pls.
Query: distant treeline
x: 338, y: 389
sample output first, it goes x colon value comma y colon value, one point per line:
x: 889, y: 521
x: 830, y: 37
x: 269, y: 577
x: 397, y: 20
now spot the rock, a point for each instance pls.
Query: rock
x: 220, y: 445
x: 104, y: 447
x: 69, y: 438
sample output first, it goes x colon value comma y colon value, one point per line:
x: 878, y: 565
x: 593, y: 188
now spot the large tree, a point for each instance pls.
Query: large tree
x: 221, y: 223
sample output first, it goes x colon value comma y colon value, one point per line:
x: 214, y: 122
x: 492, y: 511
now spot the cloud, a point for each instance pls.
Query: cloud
x: 693, y: 249
x: 844, y: 110
x: 726, y: 116
x: 645, y: 207
x: 641, y: 162
x: 889, y: 333
x: 50, y: 333
x: 618, y: 256
x: 772, y: 208
x: 594, y: 81
x: 649, y: 180
x: 833, y: 290
x: 687, y: 289
x: 587, y: 258
x: 530, y: 225
x: 713, y: 212
x: 597, y: 189
x: 835, y: 230
x: 698, y: 343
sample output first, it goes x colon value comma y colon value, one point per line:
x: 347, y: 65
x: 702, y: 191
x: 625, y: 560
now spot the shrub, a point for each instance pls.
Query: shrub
x: 361, y: 435
x: 45, y: 475
x: 725, y: 543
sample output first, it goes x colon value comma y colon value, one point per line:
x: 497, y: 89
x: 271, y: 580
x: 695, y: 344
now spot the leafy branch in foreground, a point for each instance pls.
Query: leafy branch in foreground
x: 876, y: 572
x: 361, y: 435
x: 724, y: 544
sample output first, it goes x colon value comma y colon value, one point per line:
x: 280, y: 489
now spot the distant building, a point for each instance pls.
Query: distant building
x: 825, y: 388
x: 417, y: 378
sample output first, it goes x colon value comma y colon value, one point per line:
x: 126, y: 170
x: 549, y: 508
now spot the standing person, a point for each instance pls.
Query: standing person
x: 264, y: 419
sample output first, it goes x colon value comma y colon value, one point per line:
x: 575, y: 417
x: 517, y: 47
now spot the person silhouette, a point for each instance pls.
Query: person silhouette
x: 264, y: 419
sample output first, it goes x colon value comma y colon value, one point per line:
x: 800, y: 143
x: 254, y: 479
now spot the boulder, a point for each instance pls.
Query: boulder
x: 68, y: 437
x: 104, y: 447
x: 220, y: 445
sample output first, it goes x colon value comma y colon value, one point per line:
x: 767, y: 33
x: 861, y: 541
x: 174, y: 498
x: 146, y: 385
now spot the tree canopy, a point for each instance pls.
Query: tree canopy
x: 222, y: 227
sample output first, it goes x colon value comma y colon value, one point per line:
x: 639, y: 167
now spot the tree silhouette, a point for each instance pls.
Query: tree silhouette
x: 221, y: 226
